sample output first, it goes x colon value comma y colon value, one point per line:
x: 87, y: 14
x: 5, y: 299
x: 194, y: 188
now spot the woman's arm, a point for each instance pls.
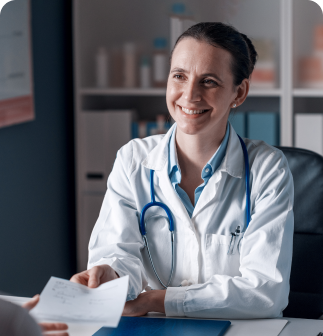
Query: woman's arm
x: 115, y: 239
x: 151, y: 301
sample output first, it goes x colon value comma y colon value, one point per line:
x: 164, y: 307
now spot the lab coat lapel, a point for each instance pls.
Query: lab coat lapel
x: 157, y: 160
x: 158, y: 157
x: 173, y: 201
x: 232, y: 164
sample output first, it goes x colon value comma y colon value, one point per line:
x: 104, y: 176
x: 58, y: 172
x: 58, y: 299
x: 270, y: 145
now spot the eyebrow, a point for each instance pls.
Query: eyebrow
x: 206, y: 74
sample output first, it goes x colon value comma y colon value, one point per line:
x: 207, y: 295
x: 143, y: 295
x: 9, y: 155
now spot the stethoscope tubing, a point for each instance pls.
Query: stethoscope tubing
x: 247, y: 180
x: 144, y: 233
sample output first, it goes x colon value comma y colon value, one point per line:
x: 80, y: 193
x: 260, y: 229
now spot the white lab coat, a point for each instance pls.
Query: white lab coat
x: 251, y: 284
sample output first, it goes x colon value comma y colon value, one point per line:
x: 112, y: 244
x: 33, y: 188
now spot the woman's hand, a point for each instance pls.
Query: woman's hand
x: 47, y: 326
x: 95, y: 276
x: 152, y: 301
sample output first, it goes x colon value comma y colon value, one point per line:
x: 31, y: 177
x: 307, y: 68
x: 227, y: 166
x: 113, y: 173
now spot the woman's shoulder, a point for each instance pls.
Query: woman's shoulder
x: 261, y: 154
x: 138, y: 149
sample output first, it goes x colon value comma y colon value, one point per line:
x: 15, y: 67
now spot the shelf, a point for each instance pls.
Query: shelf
x: 265, y: 93
x: 124, y: 92
x: 308, y: 92
x: 162, y: 92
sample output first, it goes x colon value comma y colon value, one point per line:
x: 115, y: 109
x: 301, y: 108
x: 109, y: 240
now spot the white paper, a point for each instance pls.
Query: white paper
x: 65, y: 301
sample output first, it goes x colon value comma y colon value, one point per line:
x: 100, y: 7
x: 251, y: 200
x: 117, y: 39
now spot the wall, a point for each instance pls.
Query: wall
x: 37, y: 224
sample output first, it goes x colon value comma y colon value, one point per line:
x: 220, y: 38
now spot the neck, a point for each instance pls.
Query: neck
x: 194, y: 151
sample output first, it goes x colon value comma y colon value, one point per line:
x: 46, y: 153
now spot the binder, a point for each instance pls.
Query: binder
x: 264, y: 126
x: 138, y: 326
x: 309, y: 131
x: 238, y: 122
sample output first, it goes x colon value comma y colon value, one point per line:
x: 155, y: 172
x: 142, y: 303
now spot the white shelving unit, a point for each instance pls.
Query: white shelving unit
x: 110, y: 23
x: 162, y: 92
x: 308, y: 93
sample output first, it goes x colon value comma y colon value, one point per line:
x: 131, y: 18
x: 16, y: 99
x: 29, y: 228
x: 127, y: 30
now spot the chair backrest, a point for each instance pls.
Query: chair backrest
x: 306, y: 281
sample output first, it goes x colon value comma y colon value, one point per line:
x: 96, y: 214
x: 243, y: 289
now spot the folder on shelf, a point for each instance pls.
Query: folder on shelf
x: 238, y: 122
x: 309, y: 131
x: 165, y: 326
x: 263, y: 126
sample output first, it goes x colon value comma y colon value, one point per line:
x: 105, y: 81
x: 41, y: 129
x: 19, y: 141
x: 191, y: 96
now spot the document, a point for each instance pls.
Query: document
x: 65, y: 301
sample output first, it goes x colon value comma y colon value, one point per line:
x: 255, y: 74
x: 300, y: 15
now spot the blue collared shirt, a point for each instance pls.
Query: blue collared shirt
x: 175, y: 175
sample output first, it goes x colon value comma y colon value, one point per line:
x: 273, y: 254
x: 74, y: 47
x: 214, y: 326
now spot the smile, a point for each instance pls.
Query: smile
x: 187, y: 111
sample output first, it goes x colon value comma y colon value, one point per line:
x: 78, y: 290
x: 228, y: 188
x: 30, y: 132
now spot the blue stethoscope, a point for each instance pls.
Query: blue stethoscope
x: 153, y: 203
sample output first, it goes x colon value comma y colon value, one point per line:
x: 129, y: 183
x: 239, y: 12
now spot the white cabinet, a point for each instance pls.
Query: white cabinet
x: 109, y: 24
x: 90, y: 208
x: 102, y: 135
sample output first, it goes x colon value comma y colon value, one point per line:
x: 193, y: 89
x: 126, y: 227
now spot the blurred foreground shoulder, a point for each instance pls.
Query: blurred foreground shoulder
x: 16, y: 321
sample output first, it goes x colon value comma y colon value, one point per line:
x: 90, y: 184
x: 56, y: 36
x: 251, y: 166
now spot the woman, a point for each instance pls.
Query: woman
x: 200, y: 175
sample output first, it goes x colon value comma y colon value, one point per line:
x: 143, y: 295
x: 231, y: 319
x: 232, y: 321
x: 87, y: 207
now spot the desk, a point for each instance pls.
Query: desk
x: 294, y: 327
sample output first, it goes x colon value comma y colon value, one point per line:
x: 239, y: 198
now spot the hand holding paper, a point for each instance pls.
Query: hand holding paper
x: 65, y: 301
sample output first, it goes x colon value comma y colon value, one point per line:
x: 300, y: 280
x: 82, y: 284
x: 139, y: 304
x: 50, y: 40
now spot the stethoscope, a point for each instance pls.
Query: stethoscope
x: 153, y: 203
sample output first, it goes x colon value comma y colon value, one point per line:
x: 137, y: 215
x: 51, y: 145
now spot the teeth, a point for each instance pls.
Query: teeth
x: 187, y: 111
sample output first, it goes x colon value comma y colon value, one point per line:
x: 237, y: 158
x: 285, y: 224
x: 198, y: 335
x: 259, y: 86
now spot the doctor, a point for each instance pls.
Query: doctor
x: 200, y: 175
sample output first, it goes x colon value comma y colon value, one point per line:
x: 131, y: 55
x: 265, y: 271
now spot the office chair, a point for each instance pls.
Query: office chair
x: 306, y: 280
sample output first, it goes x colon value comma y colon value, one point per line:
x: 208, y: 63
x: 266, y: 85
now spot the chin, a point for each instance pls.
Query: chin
x: 189, y: 129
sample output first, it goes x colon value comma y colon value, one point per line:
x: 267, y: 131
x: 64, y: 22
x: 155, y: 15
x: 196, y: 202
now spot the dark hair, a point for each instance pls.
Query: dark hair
x: 225, y: 36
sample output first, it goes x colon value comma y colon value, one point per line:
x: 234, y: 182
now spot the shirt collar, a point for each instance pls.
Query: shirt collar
x: 213, y: 164
x: 215, y: 161
x: 233, y: 162
x: 173, y: 160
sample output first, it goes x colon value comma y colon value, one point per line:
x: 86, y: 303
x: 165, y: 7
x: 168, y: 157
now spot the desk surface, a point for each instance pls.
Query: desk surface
x: 294, y: 327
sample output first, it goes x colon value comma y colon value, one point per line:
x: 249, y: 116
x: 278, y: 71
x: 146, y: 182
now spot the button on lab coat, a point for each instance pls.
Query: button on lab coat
x: 253, y: 282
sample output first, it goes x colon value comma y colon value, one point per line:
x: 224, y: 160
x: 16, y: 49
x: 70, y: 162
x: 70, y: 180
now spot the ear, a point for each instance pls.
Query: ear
x: 242, y: 92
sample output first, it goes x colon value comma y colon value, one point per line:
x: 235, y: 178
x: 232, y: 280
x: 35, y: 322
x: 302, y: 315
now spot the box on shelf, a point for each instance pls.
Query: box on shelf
x: 318, y: 39
x: 103, y: 134
x: 310, y: 72
x: 309, y: 131
x: 264, y: 74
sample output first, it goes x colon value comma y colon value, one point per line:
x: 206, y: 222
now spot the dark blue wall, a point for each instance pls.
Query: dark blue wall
x: 37, y: 225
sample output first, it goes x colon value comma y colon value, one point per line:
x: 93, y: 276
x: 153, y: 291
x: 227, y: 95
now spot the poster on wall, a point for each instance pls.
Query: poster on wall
x: 16, y: 89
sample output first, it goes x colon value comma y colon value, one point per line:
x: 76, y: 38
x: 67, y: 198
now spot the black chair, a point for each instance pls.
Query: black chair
x: 306, y: 281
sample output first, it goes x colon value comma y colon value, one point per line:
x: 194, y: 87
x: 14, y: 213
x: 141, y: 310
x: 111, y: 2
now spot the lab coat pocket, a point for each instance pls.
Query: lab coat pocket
x: 218, y: 261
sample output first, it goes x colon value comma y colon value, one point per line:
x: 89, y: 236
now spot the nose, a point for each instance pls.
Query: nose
x: 192, y: 92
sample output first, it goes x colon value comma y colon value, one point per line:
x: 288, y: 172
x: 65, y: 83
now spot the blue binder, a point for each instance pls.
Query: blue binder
x: 264, y: 126
x: 138, y: 326
x: 238, y: 122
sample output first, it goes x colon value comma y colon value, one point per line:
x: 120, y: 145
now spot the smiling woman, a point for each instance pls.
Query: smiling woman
x: 232, y: 235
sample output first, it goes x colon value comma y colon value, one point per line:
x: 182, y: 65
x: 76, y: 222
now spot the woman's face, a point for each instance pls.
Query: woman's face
x: 200, y: 80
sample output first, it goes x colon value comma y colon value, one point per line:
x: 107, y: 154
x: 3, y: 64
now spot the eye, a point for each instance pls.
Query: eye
x: 177, y: 76
x: 209, y: 82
